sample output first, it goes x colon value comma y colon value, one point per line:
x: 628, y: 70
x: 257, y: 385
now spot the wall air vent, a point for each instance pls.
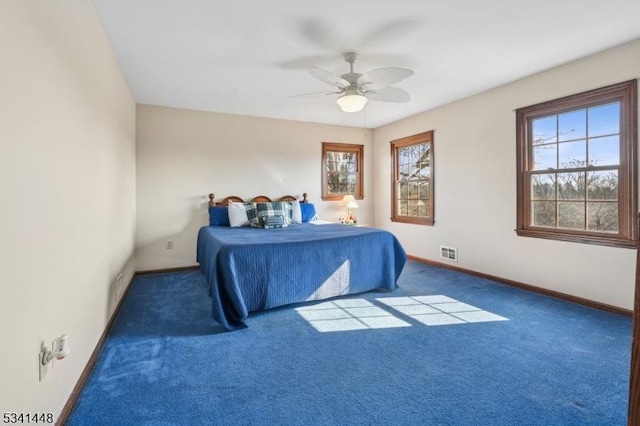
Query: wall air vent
x: 449, y: 253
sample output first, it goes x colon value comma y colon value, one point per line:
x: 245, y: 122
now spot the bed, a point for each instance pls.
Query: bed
x: 250, y: 269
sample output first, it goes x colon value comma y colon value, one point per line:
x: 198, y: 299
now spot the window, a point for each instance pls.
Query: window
x: 412, y: 193
x: 576, y: 160
x: 342, y: 170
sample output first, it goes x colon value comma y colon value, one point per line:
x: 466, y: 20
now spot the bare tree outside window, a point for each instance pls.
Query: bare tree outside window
x: 342, y: 170
x: 577, y: 167
x: 413, y: 179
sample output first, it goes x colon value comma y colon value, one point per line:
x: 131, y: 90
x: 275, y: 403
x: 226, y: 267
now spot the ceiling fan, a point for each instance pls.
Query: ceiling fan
x: 356, y: 89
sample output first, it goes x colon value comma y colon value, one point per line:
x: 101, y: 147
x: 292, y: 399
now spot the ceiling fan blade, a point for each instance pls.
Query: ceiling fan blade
x: 383, y: 77
x: 320, y: 34
x: 389, y: 33
x: 377, y: 59
x: 305, y: 62
x: 388, y: 94
x: 328, y: 77
x: 312, y: 94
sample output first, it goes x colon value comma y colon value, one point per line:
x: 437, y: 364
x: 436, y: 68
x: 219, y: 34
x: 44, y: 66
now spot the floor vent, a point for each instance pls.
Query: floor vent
x: 449, y: 253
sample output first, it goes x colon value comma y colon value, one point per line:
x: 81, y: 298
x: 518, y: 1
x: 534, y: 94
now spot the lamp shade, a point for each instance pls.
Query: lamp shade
x: 350, y: 202
x: 351, y: 101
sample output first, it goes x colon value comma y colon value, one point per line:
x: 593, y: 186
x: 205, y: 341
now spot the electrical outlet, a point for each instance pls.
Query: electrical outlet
x: 44, y: 368
x: 169, y: 244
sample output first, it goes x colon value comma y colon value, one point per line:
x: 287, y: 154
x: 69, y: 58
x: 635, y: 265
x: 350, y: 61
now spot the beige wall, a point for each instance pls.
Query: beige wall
x: 475, y: 188
x: 70, y: 169
x: 183, y: 155
x: 67, y: 167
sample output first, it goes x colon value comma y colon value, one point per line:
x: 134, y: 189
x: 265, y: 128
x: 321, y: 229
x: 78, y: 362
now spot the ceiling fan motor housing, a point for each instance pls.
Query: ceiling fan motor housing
x: 354, y: 89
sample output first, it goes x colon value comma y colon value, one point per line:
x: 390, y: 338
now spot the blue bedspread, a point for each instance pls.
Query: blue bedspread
x: 251, y: 269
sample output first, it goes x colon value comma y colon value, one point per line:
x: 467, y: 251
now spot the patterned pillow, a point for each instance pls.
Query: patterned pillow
x: 265, y: 211
x: 252, y: 214
x: 276, y: 221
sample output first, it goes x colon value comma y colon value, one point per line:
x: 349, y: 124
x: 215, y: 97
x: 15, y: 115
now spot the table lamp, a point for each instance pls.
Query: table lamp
x: 350, y: 203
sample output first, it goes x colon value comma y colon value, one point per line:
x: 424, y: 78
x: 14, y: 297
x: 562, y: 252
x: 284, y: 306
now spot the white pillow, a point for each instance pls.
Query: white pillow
x: 296, y: 213
x: 237, y: 215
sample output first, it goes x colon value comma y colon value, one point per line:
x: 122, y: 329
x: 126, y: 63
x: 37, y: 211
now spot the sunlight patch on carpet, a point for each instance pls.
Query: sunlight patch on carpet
x: 361, y: 314
x: 349, y: 314
x: 439, y: 310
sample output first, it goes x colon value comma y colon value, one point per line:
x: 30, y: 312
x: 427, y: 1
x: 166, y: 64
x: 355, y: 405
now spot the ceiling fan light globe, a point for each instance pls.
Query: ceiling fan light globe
x: 351, y: 102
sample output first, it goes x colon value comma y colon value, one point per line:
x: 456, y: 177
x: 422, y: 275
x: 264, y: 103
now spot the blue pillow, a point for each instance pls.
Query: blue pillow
x: 308, y: 212
x: 219, y: 216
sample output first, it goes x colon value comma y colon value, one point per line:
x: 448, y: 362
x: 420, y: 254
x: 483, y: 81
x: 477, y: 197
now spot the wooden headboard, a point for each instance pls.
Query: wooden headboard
x: 259, y: 199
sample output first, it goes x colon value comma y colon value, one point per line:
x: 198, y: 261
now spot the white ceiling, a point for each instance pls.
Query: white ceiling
x: 248, y: 56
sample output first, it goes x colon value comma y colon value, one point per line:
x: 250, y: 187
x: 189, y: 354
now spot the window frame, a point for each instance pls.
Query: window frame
x: 343, y: 148
x: 626, y: 94
x: 425, y: 137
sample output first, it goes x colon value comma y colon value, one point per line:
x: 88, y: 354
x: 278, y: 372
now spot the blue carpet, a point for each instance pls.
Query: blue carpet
x: 549, y: 363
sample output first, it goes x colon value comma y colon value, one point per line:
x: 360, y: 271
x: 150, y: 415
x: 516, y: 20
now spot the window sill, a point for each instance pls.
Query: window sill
x: 602, y: 240
x: 340, y: 197
x: 413, y: 220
